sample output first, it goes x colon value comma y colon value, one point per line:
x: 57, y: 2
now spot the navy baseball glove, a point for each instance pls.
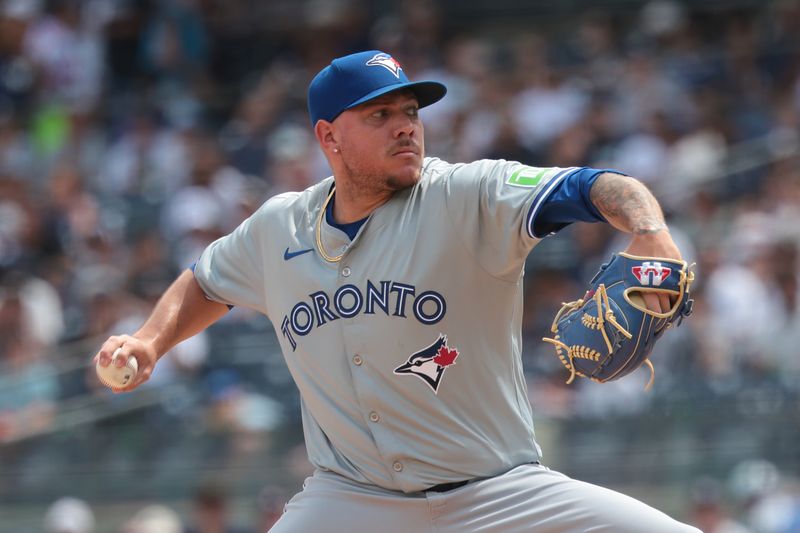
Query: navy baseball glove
x: 609, y: 332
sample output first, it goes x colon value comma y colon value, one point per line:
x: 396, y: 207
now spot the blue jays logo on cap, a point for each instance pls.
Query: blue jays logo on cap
x: 386, y: 61
x: 357, y: 78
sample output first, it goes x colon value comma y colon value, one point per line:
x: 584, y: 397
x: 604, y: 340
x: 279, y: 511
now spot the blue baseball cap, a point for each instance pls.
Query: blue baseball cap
x: 354, y: 79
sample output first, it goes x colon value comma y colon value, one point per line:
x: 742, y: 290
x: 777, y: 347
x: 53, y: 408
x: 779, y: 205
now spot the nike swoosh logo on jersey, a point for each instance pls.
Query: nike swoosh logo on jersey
x: 288, y: 255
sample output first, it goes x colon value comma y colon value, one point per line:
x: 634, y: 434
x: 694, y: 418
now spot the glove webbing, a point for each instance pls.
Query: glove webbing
x: 601, y: 298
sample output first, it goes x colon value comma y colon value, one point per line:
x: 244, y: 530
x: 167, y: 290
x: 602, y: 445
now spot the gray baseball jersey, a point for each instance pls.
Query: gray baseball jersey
x: 407, y: 351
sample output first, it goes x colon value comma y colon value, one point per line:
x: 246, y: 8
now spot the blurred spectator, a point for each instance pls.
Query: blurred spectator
x: 707, y: 510
x: 547, y: 106
x: 17, y: 77
x: 174, y: 44
x: 744, y: 301
x: 465, y: 60
x: 645, y: 90
x: 69, y: 515
x: 205, y: 208
x: 271, y: 502
x: 28, y: 384
x: 16, y: 223
x: 244, y: 137
x: 149, y: 160
x: 154, y: 519
x: 236, y: 410
x: 770, y: 500
x: 67, y: 53
x: 295, y: 164
x: 174, y: 51
x: 16, y: 155
x: 645, y: 153
x: 693, y: 159
x: 210, y: 512
x: 150, y: 270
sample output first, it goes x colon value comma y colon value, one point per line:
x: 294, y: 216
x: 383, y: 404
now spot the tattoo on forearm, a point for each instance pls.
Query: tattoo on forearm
x: 627, y: 204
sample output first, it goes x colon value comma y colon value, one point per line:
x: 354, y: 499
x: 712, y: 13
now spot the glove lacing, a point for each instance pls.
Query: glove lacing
x: 601, y: 299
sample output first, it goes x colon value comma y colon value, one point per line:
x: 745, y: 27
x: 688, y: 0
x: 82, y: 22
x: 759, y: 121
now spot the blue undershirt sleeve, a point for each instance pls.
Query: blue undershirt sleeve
x: 569, y: 202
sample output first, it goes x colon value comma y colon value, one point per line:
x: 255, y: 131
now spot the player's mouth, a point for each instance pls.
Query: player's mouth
x: 406, y: 151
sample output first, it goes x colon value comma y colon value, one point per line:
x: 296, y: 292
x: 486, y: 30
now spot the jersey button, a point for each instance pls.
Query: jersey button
x: 357, y: 360
x: 398, y: 466
x: 346, y: 272
x: 374, y: 416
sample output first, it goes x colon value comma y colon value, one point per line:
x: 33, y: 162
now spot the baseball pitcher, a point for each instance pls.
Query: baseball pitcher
x: 395, y: 289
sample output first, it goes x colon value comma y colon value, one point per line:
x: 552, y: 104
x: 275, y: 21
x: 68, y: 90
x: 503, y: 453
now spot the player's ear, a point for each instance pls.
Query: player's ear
x: 323, y: 130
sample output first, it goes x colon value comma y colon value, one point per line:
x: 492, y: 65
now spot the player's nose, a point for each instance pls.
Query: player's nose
x: 404, y: 126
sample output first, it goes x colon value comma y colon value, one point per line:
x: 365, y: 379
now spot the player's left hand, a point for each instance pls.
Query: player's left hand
x: 658, y: 244
x: 612, y: 329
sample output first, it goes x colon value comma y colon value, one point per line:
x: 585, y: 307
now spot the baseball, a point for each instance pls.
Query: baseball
x: 112, y: 376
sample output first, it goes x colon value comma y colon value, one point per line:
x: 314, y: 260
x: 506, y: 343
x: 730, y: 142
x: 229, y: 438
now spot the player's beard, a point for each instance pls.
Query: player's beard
x: 369, y: 179
x: 396, y: 183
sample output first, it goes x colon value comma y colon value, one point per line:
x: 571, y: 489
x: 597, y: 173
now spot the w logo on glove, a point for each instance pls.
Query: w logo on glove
x: 651, y: 273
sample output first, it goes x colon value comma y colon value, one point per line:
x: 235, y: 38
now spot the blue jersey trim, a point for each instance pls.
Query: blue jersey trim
x: 565, y: 200
x: 542, y: 196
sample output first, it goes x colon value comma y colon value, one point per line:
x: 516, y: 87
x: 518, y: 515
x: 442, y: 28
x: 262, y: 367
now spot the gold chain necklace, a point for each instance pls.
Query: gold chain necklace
x: 322, y: 252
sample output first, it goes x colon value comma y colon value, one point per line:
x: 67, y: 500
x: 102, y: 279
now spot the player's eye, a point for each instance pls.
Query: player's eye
x: 380, y: 113
x: 412, y: 111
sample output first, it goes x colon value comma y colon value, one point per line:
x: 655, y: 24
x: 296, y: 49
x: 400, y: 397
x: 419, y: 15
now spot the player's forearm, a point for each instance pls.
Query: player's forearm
x: 630, y: 207
x: 627, y: 204
x: 182, y: 311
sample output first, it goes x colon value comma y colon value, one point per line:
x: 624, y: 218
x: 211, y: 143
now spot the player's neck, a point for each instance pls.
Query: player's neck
x: 351, y: 204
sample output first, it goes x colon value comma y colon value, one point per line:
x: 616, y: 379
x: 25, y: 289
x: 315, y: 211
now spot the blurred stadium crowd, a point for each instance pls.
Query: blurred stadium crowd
x: 133, y: 133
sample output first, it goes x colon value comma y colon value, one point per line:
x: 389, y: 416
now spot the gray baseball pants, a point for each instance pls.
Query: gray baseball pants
x: 527, y: 499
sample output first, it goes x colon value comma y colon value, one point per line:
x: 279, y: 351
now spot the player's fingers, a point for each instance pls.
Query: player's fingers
x: 136, y: 349
x: 141, y: 377
x: 134, y: 383
x: 664, y: 301
x: 121, y: 355
x: 119, y: 351
x: 652, y: 302
x: 126, y: 348
x: 106, y: 352
x: 145, y: 364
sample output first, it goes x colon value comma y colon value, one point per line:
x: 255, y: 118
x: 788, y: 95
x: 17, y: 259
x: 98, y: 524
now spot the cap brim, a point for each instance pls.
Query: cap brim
x: 427, y: 92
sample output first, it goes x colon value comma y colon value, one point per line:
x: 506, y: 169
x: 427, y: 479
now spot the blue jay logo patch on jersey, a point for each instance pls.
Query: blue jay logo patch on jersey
x: 430, y: 363
x: 386, y: 61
